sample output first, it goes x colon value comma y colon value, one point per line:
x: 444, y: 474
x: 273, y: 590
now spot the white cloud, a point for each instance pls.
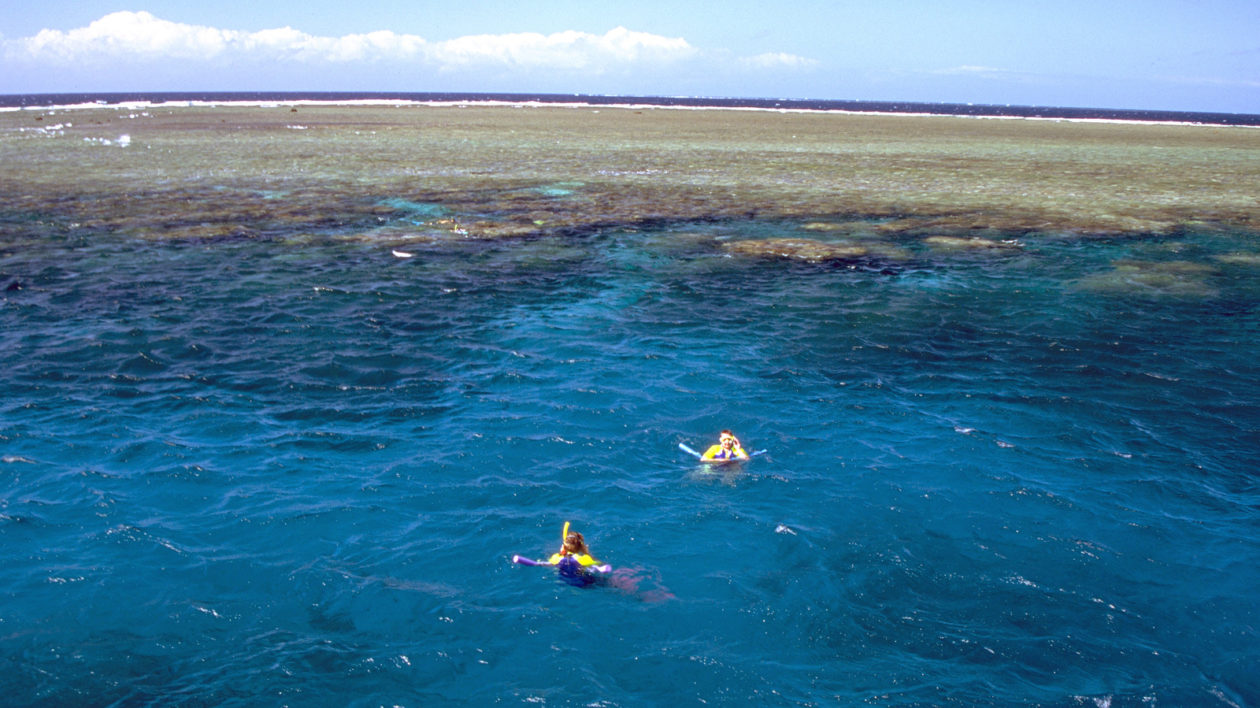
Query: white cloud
x: 992, y: 74
x: 971, y: 70
x: 133, y: 33
x: 140, y: 35
x: 778, y: 60
x: 573, y: 50
x: 1214, y: 81
x: 136, y: 51
x: 288, y: 43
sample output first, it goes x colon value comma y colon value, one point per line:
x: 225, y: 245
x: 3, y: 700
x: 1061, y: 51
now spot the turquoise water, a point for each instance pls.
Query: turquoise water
x: 262, y: 472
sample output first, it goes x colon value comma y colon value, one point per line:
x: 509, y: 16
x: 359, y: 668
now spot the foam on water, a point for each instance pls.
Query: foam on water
x: 238, y: 468
x: 140, y: 101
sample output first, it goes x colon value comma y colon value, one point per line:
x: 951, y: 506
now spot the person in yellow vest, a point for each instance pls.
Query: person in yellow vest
x: 574, y: 545
x: 573, y: 561
x: 728, y: 448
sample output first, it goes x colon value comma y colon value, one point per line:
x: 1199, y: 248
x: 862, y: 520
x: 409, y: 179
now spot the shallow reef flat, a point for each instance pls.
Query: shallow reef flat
x: 859, y: 183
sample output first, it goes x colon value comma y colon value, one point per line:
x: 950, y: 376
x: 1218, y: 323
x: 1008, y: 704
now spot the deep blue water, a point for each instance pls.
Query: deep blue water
x: 276, y: 473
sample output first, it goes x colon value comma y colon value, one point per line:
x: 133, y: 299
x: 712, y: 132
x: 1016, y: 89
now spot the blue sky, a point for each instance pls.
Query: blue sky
x: 1160, y: 54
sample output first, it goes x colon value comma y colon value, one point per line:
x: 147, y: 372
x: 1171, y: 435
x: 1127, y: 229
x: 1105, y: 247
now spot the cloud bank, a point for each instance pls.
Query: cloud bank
x: 139, y: 36
x: 778, y: 60
x: 136, y: 51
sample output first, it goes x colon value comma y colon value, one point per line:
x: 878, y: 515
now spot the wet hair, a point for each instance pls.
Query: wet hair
x: 574, y: 543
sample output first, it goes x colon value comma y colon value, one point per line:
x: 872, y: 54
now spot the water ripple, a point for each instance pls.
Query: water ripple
x: 248, y: 469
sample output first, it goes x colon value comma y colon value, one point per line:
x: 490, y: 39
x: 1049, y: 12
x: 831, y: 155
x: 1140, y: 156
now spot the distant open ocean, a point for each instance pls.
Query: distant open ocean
x: 273, y: 423
x: 892, y: 107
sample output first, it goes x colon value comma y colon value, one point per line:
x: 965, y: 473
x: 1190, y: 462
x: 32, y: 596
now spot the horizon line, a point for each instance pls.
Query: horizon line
x: 882, y: 106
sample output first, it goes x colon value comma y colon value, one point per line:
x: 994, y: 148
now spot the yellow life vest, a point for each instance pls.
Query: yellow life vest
x: 582, y: 558
x: 716, y: 453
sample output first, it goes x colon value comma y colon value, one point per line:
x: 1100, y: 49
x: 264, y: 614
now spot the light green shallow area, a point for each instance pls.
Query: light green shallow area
x: 859, y: 186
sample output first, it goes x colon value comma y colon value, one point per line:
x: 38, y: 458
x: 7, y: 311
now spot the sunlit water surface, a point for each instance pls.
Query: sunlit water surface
x: 242, y: 472
x: 284, y: 390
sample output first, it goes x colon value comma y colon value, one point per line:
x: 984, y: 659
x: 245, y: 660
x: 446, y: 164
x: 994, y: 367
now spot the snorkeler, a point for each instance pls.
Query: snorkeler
x: 728, y: 448
x: 575, y: 547
x: 573, y: 560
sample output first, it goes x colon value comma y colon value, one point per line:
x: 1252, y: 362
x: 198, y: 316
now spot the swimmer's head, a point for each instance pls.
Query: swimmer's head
x: 574, y: 543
